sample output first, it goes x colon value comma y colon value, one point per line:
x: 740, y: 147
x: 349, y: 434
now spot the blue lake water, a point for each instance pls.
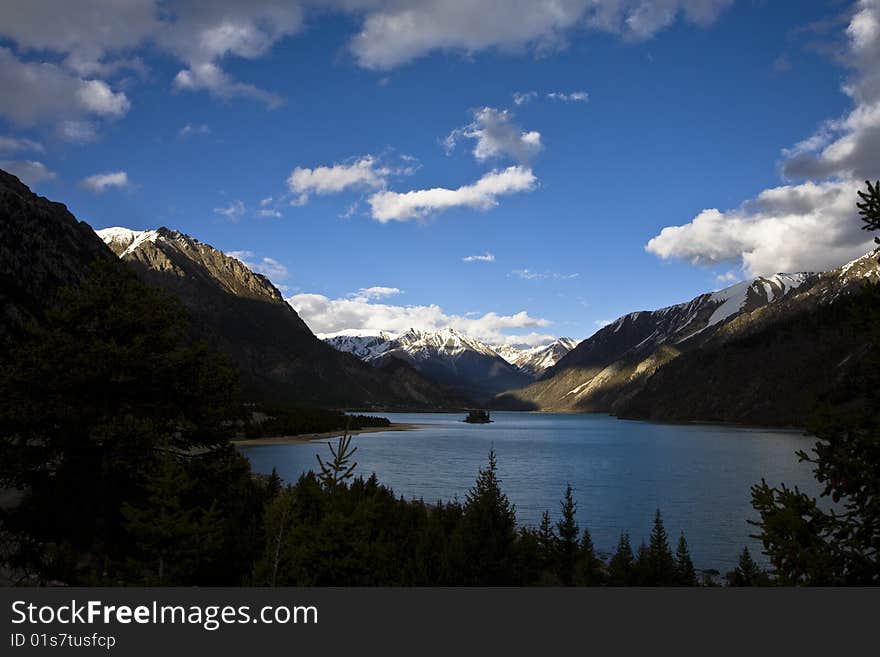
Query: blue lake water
x: 620, y: 471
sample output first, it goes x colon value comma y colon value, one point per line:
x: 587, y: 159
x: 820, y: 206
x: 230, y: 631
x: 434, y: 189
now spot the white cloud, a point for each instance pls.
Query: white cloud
x: 269, y: 267
x: 486, y: 257
x: 395, y: 33
x: 482, y: 195
x: 77, y: 132
x: 234, y: 211
x: 727, y: 278
x: 207, y: 76
x: 571, y: 97
x: 269, y: 212
x: 325, y: 315
x: 192, y: 129
x: 375, y: 292
x: 364, y: 172
x: 35, y: 92
x: 266, y: 201
x: 30, y: 172
x: 523, y: 97
x: 496, y: 135
x: 99, y: 182
x: 530, y: 275
x: 807, y: 227
x: 601, y: 323
x: 19, y: 144
x: 811, y: 225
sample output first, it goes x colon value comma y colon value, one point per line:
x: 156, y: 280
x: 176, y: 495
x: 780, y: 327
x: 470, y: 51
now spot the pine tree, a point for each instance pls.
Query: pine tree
x: 568, y: 530
x: 747, y: 572
x: 661, y: 565
x: 642, y: 573
x: 338, y: 470
x: 621, y: 566
x: 488, y: 529
x: 547, y: 541
x: 590, y: 567
x: 805, y: 543
x: 684, y: 566
x: 170, y: 536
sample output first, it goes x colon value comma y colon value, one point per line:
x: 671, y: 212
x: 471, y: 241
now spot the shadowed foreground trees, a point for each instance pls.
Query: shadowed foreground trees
x: 835, y: 542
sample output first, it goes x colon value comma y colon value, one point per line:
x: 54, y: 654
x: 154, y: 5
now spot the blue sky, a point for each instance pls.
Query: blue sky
x: 311, y: 141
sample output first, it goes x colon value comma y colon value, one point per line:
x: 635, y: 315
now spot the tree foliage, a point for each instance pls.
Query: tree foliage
x: 835, y: 541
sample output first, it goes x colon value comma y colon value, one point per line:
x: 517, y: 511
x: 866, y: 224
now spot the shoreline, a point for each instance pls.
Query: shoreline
x: 314, y: 437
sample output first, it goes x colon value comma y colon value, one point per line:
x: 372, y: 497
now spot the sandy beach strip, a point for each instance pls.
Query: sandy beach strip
x: 309, y: 437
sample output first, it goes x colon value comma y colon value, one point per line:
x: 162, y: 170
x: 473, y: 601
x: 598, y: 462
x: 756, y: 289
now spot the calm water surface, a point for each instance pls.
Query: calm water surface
x: 620, y: 471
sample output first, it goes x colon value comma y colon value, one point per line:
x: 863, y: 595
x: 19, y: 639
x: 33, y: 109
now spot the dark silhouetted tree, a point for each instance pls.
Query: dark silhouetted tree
x: 684, y: 566
x: 621, y: 565
x: 811, y: 544
x: 747, y: 572
x: 661, y: 565
x: 488, y: 529
x: 568, y: 531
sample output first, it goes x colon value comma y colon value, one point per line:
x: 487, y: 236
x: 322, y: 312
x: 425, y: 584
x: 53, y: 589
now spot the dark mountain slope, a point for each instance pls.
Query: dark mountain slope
x: 42, y: 248
x: 242, y: 314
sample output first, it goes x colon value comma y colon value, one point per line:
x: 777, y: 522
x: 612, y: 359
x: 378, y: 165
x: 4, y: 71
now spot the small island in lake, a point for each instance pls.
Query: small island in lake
x: 478, y: 417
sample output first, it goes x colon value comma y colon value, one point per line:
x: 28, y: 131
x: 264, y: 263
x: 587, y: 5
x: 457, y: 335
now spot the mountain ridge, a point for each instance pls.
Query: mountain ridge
x: 241, y: 313
x: 609, y: 371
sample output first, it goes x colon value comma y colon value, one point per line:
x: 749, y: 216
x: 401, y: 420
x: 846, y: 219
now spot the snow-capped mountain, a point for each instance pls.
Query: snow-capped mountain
x: 535, y: 360
x: 446, y: 356
x: 242, y: 314
x: 365, y: 344
x: 605, y: 372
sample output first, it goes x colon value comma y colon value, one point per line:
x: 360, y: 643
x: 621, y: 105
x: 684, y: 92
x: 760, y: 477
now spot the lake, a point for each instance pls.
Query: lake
x: 620, y: 471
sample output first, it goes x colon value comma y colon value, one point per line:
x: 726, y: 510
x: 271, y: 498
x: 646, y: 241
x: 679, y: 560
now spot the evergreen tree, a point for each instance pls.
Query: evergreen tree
x: 661, y: 565
x: 684, y: 566
x: 747, y: 572
x: 805, y: 543
x: 548, y: 543
x: 338, y: 470
x: 621, y: 565
x: 590, y: 567
x: 642, y: 572
x: 568, y: 531
x: 87, y: 397
x: 488, y: 529
x: 170, y: 536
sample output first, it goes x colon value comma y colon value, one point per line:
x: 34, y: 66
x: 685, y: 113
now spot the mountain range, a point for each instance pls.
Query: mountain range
x: 761, y: 351
x: 477, y: 369
x: 243, y: 315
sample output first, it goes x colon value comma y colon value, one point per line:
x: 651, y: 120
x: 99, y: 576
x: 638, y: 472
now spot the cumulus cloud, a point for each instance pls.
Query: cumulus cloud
x: 364, y: 172
x: 496, y: 135
x: 100, y: 182
x: 34, y: 92
x: 19, y: 144
x: 359, y: 313
x: 209, y: 77
x: 394, y: 33
x: 269, y: 267
x: 811, y: 225
x: 388, y: 206
x: 375, y: 292
x: 30, y: 172
x: 486, y: 257
x: 807, y: 227
x: 234, y: 211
